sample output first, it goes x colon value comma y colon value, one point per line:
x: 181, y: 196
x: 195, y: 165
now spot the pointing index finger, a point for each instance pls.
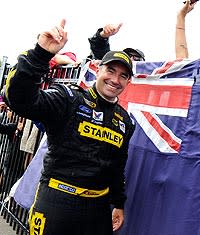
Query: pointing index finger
x: 62, y: 23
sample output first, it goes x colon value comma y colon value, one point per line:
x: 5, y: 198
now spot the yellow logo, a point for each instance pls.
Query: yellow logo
x: 37, y: 224
x: 119, y: 116
x: 122, y: 56
x: 100, y: 133
x: 9, y: 77
x: 115, y: 122
x: 90, y: 103
x: 93, y: 94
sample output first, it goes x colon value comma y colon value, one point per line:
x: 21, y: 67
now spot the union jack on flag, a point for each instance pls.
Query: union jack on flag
x: 158, y: 98
x: 87, y: 75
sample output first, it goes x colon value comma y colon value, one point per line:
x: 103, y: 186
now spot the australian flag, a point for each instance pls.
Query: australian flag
x: 163, y: 167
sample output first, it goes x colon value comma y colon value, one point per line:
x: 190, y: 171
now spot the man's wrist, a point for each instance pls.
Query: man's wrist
x: 99, y: 34
x: 39, y: 56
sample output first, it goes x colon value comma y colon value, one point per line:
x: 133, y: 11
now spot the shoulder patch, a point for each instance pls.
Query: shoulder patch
x: 69, y: 91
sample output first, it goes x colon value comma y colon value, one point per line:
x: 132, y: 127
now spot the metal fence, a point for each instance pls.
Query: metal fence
x: 16, y: 216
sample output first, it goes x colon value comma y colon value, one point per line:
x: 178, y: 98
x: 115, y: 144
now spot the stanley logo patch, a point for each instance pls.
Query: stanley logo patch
x: 100, y: 133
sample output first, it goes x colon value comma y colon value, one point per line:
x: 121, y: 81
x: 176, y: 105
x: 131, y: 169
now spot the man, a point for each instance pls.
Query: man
x: 88, y: 135
x: 99, y: 44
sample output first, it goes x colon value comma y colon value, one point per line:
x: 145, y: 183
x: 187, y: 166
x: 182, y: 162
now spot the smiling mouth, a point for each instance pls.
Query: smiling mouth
x: 113, y: 87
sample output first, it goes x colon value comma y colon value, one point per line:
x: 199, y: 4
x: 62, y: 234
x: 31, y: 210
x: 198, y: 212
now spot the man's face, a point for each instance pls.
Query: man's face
x: 112, y: 78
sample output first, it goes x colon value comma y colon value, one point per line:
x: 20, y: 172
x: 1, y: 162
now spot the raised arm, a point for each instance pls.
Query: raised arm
x: 180, y: 35
x: 23, y: 92
x: 99, y: 42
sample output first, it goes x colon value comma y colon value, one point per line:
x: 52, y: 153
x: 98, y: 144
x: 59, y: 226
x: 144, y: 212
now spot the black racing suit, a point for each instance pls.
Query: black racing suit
x: 87, y: 140
x: 99, y: 45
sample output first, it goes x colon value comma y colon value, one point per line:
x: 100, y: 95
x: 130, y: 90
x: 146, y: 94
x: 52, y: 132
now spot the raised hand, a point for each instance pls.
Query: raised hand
x: 186, y: 8
x: 110, y: 30
x: 54, y: 39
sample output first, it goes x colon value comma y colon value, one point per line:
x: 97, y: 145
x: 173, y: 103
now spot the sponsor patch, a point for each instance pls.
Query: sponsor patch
x: 96, y: 122
x: 67, y: 188
x: 115, y: 122
x: 120, y: 55
x: 122, y: 126
x: 98, y: 116
x: 90, y: 103
x: 100, y: 133
x: 90, y: 193
x: 83, y: 114
x: 37, y: 224
x: 85, y: 109
x: 119, y: 116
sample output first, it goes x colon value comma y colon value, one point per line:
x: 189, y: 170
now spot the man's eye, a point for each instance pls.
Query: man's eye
x: 110, y: 70
x: 125, y: 77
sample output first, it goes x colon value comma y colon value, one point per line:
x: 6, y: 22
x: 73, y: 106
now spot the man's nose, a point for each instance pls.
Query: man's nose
x: 116, y: 78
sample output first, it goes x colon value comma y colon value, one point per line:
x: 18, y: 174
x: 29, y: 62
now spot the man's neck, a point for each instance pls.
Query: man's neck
x: 110, y: 101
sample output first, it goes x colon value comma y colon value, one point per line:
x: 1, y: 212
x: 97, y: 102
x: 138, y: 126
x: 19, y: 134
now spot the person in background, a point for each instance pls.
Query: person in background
x: 58, y: 64
x: 88, y: 135
x: 181, y: 48
x: 12, y: 130
x: 64, y: 58
x: 99, y: 44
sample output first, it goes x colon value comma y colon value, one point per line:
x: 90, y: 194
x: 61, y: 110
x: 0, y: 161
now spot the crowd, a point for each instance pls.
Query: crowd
x: 87, y: 132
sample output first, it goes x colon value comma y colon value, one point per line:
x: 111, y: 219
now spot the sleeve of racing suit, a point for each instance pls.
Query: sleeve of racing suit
x: 23, y: 92
x: 99, y: 46
x: 117, y: 188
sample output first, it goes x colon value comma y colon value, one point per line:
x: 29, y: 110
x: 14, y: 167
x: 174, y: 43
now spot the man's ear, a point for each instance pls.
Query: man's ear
x: 129, y: 80
x: 97, y: 70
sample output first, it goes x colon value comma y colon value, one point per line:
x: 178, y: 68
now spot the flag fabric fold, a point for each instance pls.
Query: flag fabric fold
x: 26, y: 188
